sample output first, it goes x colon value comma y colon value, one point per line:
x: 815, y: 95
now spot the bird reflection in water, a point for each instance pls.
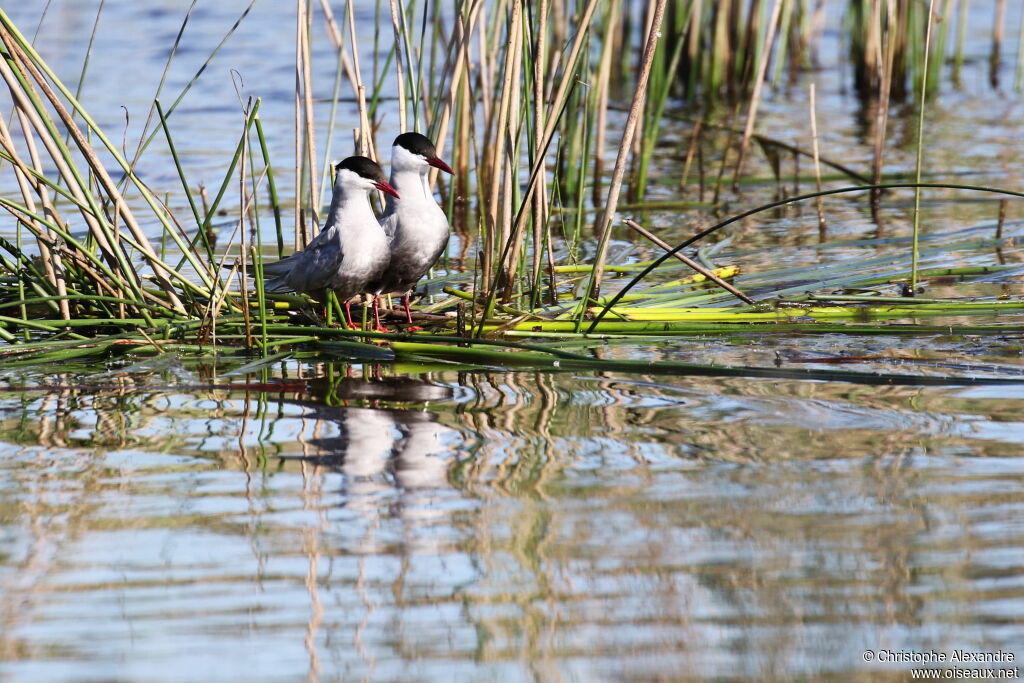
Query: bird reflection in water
x: 394, y: 467
x: 376, y: 444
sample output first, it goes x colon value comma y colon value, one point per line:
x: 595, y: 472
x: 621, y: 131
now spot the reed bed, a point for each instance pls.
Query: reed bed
x: 550, y: 113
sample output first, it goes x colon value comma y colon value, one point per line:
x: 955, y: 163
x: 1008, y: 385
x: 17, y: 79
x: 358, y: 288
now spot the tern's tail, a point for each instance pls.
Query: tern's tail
x: 276, y: 273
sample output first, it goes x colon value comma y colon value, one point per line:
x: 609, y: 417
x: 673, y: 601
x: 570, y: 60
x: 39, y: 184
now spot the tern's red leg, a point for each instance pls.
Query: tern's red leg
x: 408, y: 313
x: 376, y: 315
x: 348, y: 317
x: 408, y: 316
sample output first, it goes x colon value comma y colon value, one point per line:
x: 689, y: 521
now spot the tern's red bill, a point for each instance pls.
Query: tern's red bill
x: 437, y: 163
x: 387, y: 189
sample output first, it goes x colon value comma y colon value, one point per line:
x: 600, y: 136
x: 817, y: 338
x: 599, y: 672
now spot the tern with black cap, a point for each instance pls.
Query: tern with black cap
x: 351, y: 251
x: 416, y: 227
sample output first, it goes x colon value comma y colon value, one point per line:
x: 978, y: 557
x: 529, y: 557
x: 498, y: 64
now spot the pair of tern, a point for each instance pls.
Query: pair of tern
x: 357, y: 254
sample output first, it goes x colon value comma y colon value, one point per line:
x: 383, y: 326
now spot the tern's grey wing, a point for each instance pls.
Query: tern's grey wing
x: 320, y: 262
x: 281, y: 267
x: 310, y: 269
x: 389, y: 223
x: 275, y: 273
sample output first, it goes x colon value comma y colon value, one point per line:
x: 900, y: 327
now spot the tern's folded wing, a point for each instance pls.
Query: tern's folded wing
x: 307, y: 270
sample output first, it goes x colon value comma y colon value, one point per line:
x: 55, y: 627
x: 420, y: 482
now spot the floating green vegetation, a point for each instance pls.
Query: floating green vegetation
x: 93, y: 280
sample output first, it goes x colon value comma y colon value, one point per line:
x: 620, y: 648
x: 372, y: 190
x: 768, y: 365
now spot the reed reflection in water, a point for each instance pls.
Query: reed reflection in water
x: 502, y: 525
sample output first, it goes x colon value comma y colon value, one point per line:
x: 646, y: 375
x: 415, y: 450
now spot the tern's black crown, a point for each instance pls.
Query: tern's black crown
x: 417, y: 144
x: 367, y: 168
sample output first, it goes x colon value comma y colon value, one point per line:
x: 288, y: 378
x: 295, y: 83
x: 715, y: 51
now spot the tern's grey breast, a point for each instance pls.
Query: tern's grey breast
x: 419, y: 235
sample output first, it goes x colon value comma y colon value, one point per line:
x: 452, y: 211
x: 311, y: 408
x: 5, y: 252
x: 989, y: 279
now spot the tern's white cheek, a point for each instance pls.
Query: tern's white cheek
x: 404, y: 160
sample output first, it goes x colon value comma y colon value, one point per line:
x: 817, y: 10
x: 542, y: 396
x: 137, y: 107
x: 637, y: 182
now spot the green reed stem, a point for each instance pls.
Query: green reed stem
x: 544, y: 359
x: 1018, y: 78
x: 782, y: 202
x: 325, y: 176
x: 88, y: 56
x: 177, y: 162
x: 80, y: 248
x: 661, y: 84
x: 271, y: 185
x: 228, y: 181
x: 920, y: 148
x: 161, y: 270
